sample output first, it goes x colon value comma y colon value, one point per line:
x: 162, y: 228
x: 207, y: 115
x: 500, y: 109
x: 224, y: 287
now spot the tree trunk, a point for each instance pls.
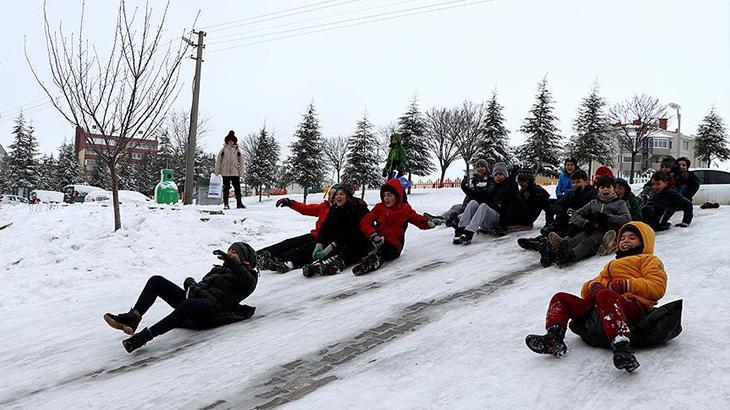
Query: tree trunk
x: 443, y: 174
x: 115, y: 195
x: 631, y: 172
x: 409, y: 186
x: 305, y: 195
x: 261, y: 192
x: 362, y: 196
x: 590, y: 167
x: 338, y: 175
x: 467, y: 167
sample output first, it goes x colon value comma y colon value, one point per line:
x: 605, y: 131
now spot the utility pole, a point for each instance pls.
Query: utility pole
x: 190, y: 160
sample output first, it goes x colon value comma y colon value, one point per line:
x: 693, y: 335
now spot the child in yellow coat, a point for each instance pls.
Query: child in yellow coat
x: 623, y: 293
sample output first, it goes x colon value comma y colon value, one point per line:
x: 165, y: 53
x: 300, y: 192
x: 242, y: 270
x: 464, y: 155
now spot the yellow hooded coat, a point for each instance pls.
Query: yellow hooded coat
x: 647, y: 280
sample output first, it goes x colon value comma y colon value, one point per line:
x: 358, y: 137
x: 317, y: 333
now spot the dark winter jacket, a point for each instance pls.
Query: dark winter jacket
x: 342, y: 224
x: 319, y: 210
x: 476, y: 188
x: 500, y: 196
x: 391, y: 223
x: 668, y: 199
x: 528, y: 204
x: 564, y: 183
x: 573, y: 200
x: 602, y: 214
x: 225, y: 286
x: 688, y: 184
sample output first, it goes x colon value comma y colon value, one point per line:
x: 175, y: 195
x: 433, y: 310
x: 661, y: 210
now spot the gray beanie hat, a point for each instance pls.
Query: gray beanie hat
x: 500, y: 168
x: 245, y: 252
x: 482, y: 162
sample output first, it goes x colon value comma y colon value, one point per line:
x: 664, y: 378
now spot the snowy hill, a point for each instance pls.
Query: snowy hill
x: 441, y: 327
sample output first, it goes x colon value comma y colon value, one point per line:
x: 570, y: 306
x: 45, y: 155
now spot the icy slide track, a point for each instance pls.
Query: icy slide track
x: 442, y: 327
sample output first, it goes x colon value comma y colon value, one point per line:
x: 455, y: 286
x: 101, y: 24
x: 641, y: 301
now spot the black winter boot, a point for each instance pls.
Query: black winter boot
x: 368, y: 264
x: 126, y: 322
x: 565, y: 256
x: 531, y: 244
x: 312, y: 269
x: 466, y: 237
x: 623, y: 355
x: 240, y: 205
x: 332, y: 266
x: 279, y: 266
x: 137, y: 340
x: 458, y: 232
x: 548, y: 254
x: 550, y: 343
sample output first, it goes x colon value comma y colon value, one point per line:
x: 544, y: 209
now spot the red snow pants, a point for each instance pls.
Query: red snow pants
x: 615, y: 311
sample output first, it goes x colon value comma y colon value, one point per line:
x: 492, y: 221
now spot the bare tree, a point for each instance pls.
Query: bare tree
x: 467, y: 132
x: 124, y: 97
x: 635, y: 121
x: 440, y: 124
x: 336, y: 153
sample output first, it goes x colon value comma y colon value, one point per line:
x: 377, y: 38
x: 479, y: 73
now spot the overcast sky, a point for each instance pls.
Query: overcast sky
x: 675, y: 50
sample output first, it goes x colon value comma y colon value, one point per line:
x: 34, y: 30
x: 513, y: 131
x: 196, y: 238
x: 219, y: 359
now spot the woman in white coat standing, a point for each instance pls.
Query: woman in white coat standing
x: 229, y: 164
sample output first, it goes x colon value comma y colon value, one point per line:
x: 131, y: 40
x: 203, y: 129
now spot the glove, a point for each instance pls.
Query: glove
x: 221, y: 255
x: 318, y: 253
x: 594, y: 288
x: 570, y: 212
x: 377, y: 241
x: 283, y: 202
x: 620, y: 286
x: 385, y: 172
x: 434, y: 222
x: 682, y: 225
x: 189, y: 283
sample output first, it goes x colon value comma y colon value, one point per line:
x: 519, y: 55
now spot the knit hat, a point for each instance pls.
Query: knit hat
x: 500, y: 168
x: 245, y: 252
x: 603, y: 170
x: 231, y: 137
x: 396, y: 136
x: 345, y: 187
x: 571, y: 160
x: 482, y: 162
x: 526, y: 174
x: 669, y: 161
x: 625, y: 184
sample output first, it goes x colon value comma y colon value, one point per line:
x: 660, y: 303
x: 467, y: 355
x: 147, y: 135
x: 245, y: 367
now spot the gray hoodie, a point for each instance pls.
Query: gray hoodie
x: 616, y: 211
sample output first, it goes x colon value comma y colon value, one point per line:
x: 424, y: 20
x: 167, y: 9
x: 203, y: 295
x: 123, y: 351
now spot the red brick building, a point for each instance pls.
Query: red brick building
x: 87, y: 156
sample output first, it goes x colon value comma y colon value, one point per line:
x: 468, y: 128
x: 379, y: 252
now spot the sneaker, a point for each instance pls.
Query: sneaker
x: 278, y: 266
x: 608, y: 243
x: 312, y: 269
x: 466, y: 237
x: 551, y: 343
x: 623, y: 355
x: 225, y: 206
x: 458, y: 236
x: 555, y: 239
x: 126, y: 322
x: 531, y: 244
x: 137, y: 340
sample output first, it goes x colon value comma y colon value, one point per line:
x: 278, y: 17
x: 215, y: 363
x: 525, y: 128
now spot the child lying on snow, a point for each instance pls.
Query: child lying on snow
x: 625, y: 290
x: 385, y: 225
x: 665, y: 202
x: 211, y: 302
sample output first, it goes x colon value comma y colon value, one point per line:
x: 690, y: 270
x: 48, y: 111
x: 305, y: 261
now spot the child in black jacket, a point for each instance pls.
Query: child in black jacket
x: 664, y: 203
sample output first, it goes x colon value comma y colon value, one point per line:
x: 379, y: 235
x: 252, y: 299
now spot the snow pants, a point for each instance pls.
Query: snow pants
x: 616, y: 311
x: 297, y: 250
x: 236, y: 181
x: 583, y: 244
x: 478, y: 215
x: 193, y: 309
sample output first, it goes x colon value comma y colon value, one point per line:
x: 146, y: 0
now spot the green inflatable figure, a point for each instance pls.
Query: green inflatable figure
x: 166, y: 189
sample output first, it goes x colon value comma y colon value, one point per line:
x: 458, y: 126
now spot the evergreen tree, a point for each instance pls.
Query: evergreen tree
x: 412, y: 127
x: 68, y: 170
x: 47, y: 169
x: 261, y: 167
x: 99, y: 175
x: 542, y: 147
x: 307, y: 159
x: 125, y: 174
x: 711, y: 139
x: 22, y: 166
x: 362, y: 161
x: 495, y: 140
x: 146, y: 175
x: 592, y: 138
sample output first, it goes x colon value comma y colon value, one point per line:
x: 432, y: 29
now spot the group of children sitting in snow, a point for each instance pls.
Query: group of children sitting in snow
x: 583, y: 220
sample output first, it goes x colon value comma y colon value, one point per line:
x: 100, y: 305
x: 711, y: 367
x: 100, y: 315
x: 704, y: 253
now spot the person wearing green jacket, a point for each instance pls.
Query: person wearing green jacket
x: 397, y: 160
x: 623, y: 190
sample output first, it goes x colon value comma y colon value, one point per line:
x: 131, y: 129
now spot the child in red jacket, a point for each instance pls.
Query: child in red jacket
x: 385, y: 225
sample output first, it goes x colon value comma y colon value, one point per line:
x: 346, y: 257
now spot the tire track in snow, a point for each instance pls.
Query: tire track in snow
x: 296, y: 379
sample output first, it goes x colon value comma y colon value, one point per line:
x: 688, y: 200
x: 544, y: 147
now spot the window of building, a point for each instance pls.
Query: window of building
x: 627, y: 158
x: 661, y: 143
x: 685, y: 145
x: 136, y: 155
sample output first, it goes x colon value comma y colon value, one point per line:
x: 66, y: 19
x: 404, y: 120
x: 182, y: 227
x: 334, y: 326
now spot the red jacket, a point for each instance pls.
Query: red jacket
x: 392, y: 222
x: 319, y: 210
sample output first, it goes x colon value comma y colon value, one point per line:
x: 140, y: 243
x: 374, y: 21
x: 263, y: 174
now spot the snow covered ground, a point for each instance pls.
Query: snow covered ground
x: 441, y: 327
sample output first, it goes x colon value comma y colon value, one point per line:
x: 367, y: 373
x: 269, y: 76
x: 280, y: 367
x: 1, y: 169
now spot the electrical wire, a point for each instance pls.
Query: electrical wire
x: 453, y: 6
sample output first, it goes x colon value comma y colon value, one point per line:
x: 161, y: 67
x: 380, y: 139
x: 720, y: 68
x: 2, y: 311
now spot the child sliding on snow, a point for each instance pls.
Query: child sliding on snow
x: 386, y: 225
x: 626, y: 289
x: 211, y: 302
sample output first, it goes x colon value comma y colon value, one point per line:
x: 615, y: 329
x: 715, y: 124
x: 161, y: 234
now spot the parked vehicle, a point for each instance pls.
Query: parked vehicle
x: 714, y: 186
x: 125, y: 196
x: 47, y: 197
x: 12, y: 199
x: 77, y: 192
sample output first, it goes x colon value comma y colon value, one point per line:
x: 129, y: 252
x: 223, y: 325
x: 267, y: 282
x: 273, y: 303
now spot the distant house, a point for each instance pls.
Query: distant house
x: 88, y: 157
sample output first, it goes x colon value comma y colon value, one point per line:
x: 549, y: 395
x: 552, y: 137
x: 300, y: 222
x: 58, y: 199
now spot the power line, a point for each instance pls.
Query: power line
x: 258, y: 19
x: 338, y: 22
x: 392, y: 4
x: 453, y: 6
